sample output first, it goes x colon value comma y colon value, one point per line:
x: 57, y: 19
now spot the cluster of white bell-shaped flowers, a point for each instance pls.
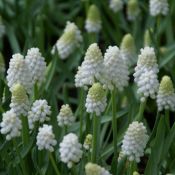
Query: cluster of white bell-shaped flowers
x: 69, y: 41
x: 135, y: 141
x: 128, y: 49
x: 90, y: 68
x: 158, y: 7
x: 2, y: 28
x: 88, y: 142
x: 11, y: 125
x: 65, y: 116
x: 40, y: 112
x: 93, y: 21
x: 94, y: 169
x: 18, y: 72
x: 19, y: 100
x: 96, y: 100
x: 70, y: 150
x: 166, y: 95
x: 46, y: 138
x: 36, y: 64
x: 133, y: 10
x: 116, y: 5
x: 115, y: 72
x: 145, y: 74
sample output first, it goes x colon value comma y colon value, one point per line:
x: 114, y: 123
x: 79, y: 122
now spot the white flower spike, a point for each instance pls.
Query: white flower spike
x: 69, y: 41
x: 19, y: 102
x: 166, y: 95
x: 36, y: 64
x: 158, y: 7
x: 94, y: 169
x: 11, y: 125
x: 96, y: 99
x: 115, y: 73
x: 18, y: 72
x: 93, y: 21
x: 70, y: 150
x: 90, y: 68
x: 133, y: 10
x: 40, y: 112
x: 145, y: 74
x: 88, y: 142
x: 46, y: 138
x: 135, y: 141
x: 65, y: 116
x: 116, y: 5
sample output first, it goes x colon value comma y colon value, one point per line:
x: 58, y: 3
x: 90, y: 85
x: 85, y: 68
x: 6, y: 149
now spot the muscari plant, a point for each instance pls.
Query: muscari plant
x: 99, y: 100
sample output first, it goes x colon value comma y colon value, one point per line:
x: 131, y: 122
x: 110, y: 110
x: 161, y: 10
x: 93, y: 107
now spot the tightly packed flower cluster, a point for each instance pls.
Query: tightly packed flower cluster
x: 70, y: 150
x: 39, y: 112
x: 146, y: 73
x: 96, y: 99
x: 158, y: 7
x: 166, y: 95
x: 116, y: 5
x: 134, y: 141
x: 90, y: 68
x: 68, y: 42
x: 94, y: 169
x: 65, y: 117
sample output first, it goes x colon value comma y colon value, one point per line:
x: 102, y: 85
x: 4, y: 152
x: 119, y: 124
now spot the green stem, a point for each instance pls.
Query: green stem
x: 141, y: 111
x: 36, y: 91
x: 167, y: 119
x: 25, y: 130
x: 20, y: 158
x: 54, y: 164
x: 114, y: 124
x: 95, y: 138
x: 131, y: 168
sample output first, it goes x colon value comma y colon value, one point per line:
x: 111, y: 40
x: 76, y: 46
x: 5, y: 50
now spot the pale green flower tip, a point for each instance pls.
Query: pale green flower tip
x: 147, y: 38
x: 19, y: 93
x: 88, y: 139
x: 133, y: 5
x: 66, y: 110
x: 94, y: 52
x: 69, y: 36
x: 128, y: 42
x: 97, y: 92
x: 166, y: 85
x: 92, y: 169
x: 135, y: 173
x: 94, y: 14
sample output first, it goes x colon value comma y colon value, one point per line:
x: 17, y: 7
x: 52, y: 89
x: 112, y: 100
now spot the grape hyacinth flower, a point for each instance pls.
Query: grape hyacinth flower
x: 18, y: 72
x: 69, y: 41
x: 132, y: 10
x: 135, y: 141
x: 147, y: 38
x: 158, y: 7
x: 96, y: 99
x: 88, y: 142
x: 19, y: 102
x: 65, y: 116
x: 39, y: 112
x: 145, y: 74
x: 93, y: 21
x: 128, y: 49
x: 166, y: 95
x: 116, y: 5
x: 36, y: 64
x: 46, y: 138
x: 90, y: 68
x: 70, y: 150
x: 94, y: 169
x: 11, y: 125
x: 115, y: 73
